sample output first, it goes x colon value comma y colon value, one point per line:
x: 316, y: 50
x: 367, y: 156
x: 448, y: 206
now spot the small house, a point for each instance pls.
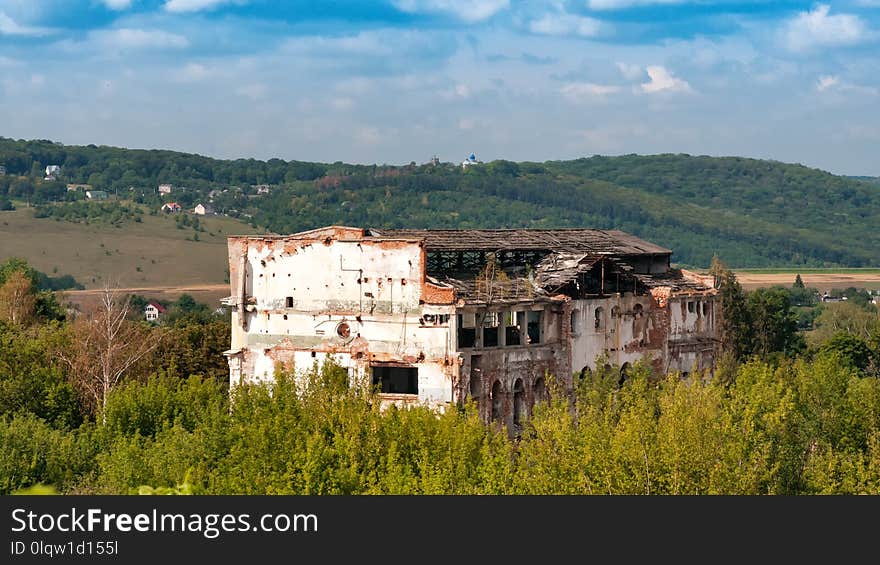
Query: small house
x: 203, y: 210
x: 96, y: 195
x: 53, y: 170
x: 165, y: 189
x: 171, y: 207
x: 153, y: 310
x: 74, y: 187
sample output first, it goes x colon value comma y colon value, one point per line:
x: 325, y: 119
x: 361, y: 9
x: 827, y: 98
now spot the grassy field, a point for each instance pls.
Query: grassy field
x: 793, y: 272
x: 153, y: 253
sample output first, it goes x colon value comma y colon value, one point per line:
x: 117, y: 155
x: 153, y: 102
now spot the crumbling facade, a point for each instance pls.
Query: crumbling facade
x: 446, y: 316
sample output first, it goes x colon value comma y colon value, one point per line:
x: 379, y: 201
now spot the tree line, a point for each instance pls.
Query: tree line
x: 699, y: 206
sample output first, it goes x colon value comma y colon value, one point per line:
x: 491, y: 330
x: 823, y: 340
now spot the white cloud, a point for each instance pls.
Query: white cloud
x: 579, y: 91
x: 819, y: 29
x: 621, y: 4
x: 466, y: 124
x: 470, y: 11
x: 354, y: 85
x: 566, y: 24
x: 9, y: 62
x: 631, y: 72
x: 663, y: 81
x: 366, y: 43
x: 831, y: 83
x: 826, y: 82
x: 117, y: 4
x: 196, y: 5
x: 192, y: 72
x: 131, y: 38
x: 8, y: 26
x: 256, y: 91
x: 342, y: 103
x: 457, y: 92
x: 368, y: 136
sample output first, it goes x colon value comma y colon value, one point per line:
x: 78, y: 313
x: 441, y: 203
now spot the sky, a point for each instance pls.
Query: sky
x: 395, y: 81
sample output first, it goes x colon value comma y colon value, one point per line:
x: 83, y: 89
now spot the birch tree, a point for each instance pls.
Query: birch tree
x: 105, y: 346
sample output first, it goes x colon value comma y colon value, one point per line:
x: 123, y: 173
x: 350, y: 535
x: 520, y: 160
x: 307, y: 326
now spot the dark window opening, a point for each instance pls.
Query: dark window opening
x: 705, y: 308
x: 476, y: 381
x: 497, y: 401
x: 490, y: 329
x: 511, y: 335
x: 541, y: 389
x: 467, y: 334
x: 638, y: 309
x: 574, y: 321
x: 600, y: 318
x: 396, y: 380
x: 476, y: 387
x: 288, y: 302
x: 519, y: 402
x: 490, y: 337
x: 513, y: 332
x: 691, y: 307
x: 534, y: 327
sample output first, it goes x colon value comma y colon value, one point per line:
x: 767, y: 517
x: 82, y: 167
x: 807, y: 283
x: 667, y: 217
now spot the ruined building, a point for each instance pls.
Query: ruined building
x: 443, y: 316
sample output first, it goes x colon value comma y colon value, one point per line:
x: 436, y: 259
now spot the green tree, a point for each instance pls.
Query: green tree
x: 736, y: 316
x: 774, y: 324
x: 852, y: 350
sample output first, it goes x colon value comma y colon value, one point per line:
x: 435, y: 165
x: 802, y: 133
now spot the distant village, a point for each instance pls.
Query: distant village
x: 228, y: 201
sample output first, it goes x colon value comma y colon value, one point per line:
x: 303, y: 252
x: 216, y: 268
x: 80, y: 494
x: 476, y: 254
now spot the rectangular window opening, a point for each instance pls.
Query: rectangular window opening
x: 288, y: 302
x: 467, y: 333
x: 512, y: 329
x: 394, y: 379
x: 490, y: 329
x: 533, y: 327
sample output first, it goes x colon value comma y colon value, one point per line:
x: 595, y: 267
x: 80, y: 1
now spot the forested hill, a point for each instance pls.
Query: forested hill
x: 751, y: 213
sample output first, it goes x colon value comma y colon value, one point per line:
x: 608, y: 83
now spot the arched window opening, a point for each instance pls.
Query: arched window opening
x: 497, y: 401
x: 519, y: 402
x: 540, y: 389
x: 600, y: 318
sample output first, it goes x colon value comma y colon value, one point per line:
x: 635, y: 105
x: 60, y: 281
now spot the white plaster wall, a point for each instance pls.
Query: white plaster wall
x: 588, y: 343
x: 323, y: 282
x: 316, y: 275
x: 684, y: 324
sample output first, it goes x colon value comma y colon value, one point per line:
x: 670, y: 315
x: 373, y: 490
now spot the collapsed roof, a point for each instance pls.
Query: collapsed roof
x: 573, y: 240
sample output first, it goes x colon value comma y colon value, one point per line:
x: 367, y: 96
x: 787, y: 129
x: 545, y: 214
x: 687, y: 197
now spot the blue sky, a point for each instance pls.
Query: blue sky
x: 401, y: 80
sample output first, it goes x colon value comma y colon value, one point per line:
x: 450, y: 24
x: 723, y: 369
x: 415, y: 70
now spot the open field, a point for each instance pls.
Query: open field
x: 149, y: 254
x: 209, y: 294
x: 820, y: 279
